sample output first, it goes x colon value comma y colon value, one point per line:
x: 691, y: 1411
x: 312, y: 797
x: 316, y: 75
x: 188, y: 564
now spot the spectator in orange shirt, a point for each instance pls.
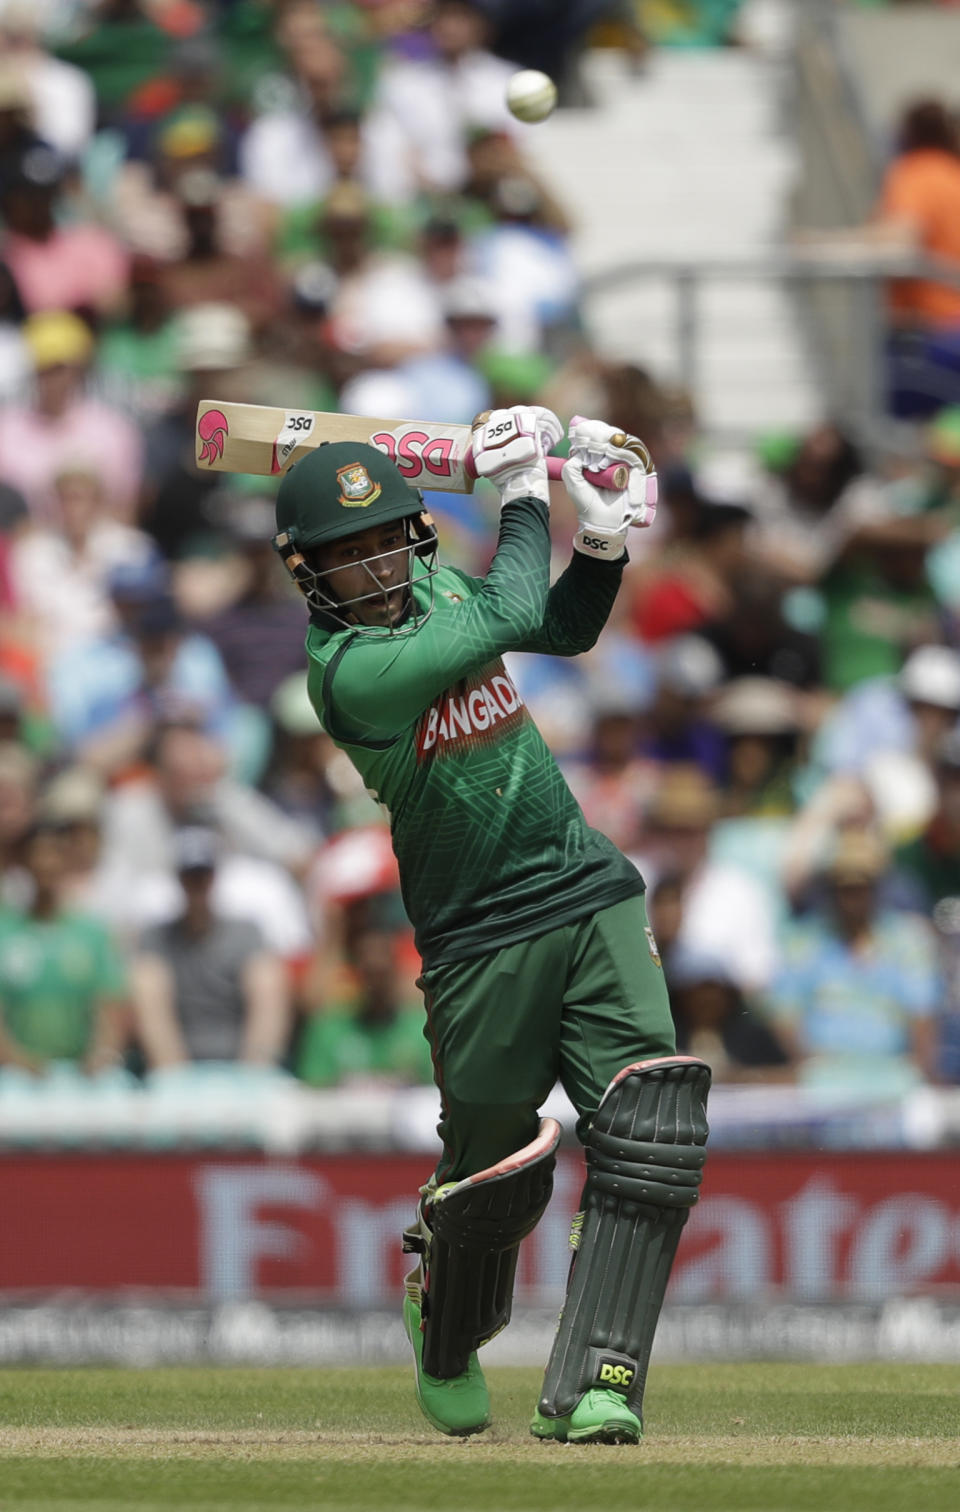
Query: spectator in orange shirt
x: 917, y: 211
x: 920, y: 203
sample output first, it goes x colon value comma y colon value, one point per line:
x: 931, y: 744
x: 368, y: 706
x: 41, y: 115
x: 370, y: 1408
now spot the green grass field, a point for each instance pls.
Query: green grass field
x: 871, y: 1438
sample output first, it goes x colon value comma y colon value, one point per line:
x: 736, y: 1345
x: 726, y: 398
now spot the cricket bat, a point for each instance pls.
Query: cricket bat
x: 258, y: 438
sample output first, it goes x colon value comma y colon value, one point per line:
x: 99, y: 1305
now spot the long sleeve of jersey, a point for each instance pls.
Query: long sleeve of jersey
x: 392, y: 679
x: 578, y: 606
x: 491, y: 844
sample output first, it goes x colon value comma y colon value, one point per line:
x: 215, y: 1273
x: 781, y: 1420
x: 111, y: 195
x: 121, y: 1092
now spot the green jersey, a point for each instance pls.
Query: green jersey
x: 54, y: 976
x: 338, y: 1045
x: 491, y: 844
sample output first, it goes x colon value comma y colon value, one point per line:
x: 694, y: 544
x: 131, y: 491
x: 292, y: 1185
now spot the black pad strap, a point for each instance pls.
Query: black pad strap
x: 645, y: 1155
x: 473, y: 1230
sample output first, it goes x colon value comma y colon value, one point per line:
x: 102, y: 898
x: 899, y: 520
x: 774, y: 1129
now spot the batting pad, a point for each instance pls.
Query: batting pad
x: 469, y: 1235
x: 645, y: 1154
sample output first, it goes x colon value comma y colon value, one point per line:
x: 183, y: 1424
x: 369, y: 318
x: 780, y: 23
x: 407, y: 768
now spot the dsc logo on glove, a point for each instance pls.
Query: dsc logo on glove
x: 502, y: 431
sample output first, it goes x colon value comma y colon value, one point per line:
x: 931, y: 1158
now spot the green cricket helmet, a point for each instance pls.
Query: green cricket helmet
x: 341, y: 488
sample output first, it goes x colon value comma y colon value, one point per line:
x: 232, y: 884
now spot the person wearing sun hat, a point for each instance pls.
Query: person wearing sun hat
x: 64, y: 425
x: 79, y: 556
x: 726, y: 910
x: 909, y: 712
x: 213, y: 349
x: 858, y: 986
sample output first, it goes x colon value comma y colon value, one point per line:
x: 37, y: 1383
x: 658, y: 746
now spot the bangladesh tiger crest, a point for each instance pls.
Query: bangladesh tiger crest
x: 357, y: 488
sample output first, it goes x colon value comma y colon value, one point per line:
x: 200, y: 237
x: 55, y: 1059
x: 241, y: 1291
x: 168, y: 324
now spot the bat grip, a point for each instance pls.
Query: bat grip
x: 614, y: 476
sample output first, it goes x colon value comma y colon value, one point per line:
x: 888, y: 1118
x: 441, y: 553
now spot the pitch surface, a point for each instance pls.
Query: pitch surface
x: 735, y: 1438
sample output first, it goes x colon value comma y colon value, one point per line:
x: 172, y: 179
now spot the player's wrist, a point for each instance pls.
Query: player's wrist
x: 599, y: 544
x: 526, y: 483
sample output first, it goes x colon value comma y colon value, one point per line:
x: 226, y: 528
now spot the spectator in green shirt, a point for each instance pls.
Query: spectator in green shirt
x: 138, y: 356
x: 62, y: 983
x: 376, y: 1032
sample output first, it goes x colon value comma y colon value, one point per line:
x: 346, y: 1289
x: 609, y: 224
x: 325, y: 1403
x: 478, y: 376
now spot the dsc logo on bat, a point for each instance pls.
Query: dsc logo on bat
x: 417, y: 452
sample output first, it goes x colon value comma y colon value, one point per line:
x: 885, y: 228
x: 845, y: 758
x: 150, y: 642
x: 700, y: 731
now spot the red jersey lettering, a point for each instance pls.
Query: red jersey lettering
x: 478, y: 709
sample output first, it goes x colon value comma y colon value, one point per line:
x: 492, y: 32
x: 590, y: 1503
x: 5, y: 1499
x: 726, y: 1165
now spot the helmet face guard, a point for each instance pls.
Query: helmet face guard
x: 420, y: 548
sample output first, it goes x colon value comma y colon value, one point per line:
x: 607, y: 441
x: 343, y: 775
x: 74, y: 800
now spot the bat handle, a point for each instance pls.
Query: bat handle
x: 614, y: 476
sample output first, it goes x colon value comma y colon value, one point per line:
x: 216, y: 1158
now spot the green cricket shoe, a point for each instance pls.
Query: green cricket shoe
x: 459, y: 1406
x: 601, y: 1417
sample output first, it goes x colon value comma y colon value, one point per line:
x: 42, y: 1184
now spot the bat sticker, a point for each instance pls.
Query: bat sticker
x: 297, y: 427
x: 418, y: 453
x: 213, y: 430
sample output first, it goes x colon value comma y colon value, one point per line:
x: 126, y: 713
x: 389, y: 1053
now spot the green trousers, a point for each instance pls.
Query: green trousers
x: 575, y: 1005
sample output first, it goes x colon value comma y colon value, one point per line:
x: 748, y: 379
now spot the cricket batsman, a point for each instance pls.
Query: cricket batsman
x: 538, y: 963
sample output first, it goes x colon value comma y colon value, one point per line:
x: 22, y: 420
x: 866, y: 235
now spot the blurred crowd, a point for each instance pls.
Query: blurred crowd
x: 326, y: 205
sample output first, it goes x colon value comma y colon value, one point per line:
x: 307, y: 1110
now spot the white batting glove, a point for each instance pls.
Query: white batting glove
x: 510, y: 448
x: 606, y: 514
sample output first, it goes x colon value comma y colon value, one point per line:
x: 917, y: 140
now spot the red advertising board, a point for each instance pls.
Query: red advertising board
x: 798, y: 1226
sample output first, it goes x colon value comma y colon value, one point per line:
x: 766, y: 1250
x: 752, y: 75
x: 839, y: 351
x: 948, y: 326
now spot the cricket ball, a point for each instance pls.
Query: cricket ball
x: 531, y: 95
